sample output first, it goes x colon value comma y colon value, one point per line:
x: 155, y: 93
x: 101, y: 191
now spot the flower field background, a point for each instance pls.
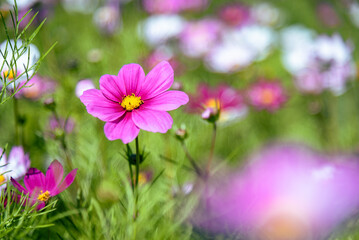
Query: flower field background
x: 273, y: 98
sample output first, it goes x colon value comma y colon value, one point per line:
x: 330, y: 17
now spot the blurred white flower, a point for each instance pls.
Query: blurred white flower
x: 17, y: 58
x: 22, y: 4
x: 297, y: 46
x: 240, y: 47
x: 158, y: 29
x: 81, y: 6
x: 83, y: 85
x: 354, y: 13
x: 266, y: 14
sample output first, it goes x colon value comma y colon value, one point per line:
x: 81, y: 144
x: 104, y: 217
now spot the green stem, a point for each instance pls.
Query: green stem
x: 191, y: 160
x: 16, y: 120
x: 131, y: 175
x: 137, y: 161
x: 213, y: 143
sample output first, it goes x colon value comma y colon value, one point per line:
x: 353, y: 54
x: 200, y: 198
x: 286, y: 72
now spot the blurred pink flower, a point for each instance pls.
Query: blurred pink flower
x: 235, y: 14
x: 285, y: 192
x: 36, y: 87
x: 223, y: 103
x: 60, y: 126
x: 132, y: 101
x: 107, y: 18
x: 40, y: 187
x: 327, y: 14
x: 163, y: 54
x: 83, y: 85
x: 13, y: 167
x: 173, y: 6
x: 267, y: 95
x: 198, y: 38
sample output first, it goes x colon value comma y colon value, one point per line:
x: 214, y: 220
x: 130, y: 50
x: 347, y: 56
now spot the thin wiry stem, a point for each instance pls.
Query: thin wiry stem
x: 213, y: 143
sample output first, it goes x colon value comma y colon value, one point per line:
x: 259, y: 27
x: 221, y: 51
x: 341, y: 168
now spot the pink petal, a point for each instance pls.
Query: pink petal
x: 18, y: 186
x: 66, y: 183
x: 157, y: 81
x: 123, y: 129
x: 112, y: 87
x: 152, y: 120
x: 166, y: 101
x: 54, y: 175
x: 33, y: 179
x: 132, y: 75
x: 99, y: 106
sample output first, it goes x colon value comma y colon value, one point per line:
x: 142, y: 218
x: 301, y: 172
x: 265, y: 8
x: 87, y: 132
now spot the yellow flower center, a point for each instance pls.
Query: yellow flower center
x: 9, y: 74
x: 2, y: 179
x: 267, y: 96
x: 131, y: 102
x: 213, y: 103
x: 44, y: 196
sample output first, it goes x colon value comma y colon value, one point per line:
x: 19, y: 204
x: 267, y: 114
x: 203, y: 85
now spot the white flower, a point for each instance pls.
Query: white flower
x: 240, y: 48
x: 158, y: 29
x: 81, y: 6
x: 83, y: 85
x: 298, y: 44
x: 266, y: 14
x: 22, y: 4
x: 15, y: 166
x: 14, y: 62
x: 354, y: 13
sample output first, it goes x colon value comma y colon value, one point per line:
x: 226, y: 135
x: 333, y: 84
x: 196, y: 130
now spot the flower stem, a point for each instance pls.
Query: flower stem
x: 213, y: 143
x: 131, y: 176
x: 137, y: 161
x: 191, y: 160
x: 16, y: 121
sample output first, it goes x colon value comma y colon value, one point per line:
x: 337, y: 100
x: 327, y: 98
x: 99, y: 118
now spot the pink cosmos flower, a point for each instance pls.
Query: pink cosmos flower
x: 285, y: 192
x: 197, y: 38
x: 235, y: 15
x: 267, y: 95
x: 13, y: 167
x: 132, y: 101
x: 40, y: 188
x: 223, y: 102
x: 59, y: 126
x: 36, y: 87
x: 163, y: 54
x: 173, y: 6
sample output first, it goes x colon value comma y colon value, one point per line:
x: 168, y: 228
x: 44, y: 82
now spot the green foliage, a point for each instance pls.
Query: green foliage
x: 13, y: 52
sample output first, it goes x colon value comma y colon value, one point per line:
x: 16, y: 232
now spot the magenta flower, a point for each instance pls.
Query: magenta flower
x: 59, y: 126
x: 40, y: 188
x: 235, y: 15
x: 267, y: 95
x: 286, y: 192
x: 173, y: 6
x: 223, y: 102
x: 132, y: 101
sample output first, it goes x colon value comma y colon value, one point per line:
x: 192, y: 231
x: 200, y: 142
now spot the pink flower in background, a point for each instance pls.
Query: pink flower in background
x: 173, y: 6
x: 13, y: 167
x: 223, y: 103
x: 327, y: 14
x: 107, y: 18
x: 36, y: 87
x: 285, y: 192
x: 197, y: 38
x: 59, y: 126
x: 235, y: 15
x: 40, y: 187
x: 83, y: 85
x: 132, y: 101
x: 267, y: 95
x: 163, y: 54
